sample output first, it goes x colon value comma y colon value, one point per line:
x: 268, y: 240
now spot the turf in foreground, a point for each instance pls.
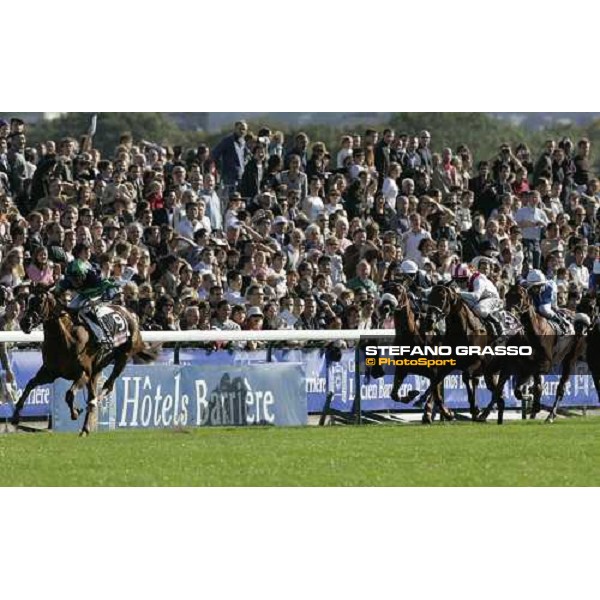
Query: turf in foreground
x: 516, y: 454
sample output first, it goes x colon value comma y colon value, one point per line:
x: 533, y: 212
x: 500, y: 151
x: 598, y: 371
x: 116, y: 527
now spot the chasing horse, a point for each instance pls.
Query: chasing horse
x: 554, y: 340
x: 82, y: 338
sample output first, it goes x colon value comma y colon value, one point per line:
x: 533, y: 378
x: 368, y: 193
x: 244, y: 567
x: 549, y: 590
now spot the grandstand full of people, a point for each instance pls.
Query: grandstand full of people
x: 267, y: 230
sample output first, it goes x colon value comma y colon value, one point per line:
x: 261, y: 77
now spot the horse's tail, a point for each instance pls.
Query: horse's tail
x: 148, y: 353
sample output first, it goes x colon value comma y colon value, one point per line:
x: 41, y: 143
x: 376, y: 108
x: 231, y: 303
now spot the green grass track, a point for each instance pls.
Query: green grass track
x: 566, y: 453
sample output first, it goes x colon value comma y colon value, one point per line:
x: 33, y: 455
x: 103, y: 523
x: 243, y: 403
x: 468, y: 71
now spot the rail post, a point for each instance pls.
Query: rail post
x: 357, y: 399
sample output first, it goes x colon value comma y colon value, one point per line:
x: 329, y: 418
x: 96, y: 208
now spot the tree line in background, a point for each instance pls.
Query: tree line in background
x: 482, y: 133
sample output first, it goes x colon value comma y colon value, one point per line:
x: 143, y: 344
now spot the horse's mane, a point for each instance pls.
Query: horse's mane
x: 536, y: 321
x: 472, y: 320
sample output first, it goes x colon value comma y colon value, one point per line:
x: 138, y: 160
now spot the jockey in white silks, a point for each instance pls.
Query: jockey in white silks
x: 481, y: 295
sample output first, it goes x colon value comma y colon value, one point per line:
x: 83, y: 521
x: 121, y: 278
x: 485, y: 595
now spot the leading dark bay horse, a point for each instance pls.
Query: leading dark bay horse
x: 408, y: 334
x: 463, y: 328
x: 70, y: 351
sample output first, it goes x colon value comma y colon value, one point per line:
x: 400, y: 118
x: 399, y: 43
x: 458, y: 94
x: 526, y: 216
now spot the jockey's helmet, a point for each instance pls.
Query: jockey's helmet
x: 461, y: 271
x: 535, y: 277
x: 409, y: 267
x: 77, y: 268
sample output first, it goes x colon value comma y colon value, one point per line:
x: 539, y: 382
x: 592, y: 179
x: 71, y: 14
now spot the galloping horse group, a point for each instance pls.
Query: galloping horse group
x: 71, y: 352
x: 464, y: 328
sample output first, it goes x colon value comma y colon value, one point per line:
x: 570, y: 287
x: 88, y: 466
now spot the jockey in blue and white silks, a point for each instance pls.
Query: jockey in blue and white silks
x: 544, y: 294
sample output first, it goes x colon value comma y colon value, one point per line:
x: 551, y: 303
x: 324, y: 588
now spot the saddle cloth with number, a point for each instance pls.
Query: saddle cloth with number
x: 114, y: 322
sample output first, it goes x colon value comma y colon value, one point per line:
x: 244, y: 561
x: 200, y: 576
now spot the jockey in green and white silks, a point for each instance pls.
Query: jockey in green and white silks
x: 89, y: 288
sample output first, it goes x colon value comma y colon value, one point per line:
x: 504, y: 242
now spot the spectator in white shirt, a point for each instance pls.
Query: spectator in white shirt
x: 313, y: 204
x: 213, y: 203
x: 412, y: 238
x: 579, y: 272
x: 189, y: 224
x: 390, y: 185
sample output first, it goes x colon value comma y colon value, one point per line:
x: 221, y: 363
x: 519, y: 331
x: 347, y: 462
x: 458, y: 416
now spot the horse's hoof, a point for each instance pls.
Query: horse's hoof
x: 377, y: 372
x: 427, y: 420
x: 448, y: 415
x: 482, y: 417
x: 412, y: 395
x: 475, y: 416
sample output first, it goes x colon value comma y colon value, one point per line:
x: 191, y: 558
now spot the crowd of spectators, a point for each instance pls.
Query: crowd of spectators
x: 271, y: 231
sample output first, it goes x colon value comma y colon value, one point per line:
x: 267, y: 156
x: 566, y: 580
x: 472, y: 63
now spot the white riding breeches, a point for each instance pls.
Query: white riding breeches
x: 488, y: 306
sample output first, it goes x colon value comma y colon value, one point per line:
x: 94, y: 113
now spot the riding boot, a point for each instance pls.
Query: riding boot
x: 560, y: 323
x: 496, y: 326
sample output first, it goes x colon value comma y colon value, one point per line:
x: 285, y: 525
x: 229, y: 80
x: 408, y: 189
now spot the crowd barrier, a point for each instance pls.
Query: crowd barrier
x: 302, y: 377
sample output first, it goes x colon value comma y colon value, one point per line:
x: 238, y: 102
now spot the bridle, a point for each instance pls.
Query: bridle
x: 32, y: 318
x: 436, y: 314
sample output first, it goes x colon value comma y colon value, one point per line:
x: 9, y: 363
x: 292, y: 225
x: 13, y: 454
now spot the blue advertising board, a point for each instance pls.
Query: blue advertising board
x: 375, y: 393
x: 25, y: 364
x: 192, y: 396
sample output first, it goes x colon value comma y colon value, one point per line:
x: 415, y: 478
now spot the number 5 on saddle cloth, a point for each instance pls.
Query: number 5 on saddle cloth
x: 108, y: 326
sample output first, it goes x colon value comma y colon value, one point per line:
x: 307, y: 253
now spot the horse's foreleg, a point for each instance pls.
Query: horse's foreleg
x: 399, y: 376
x: 470, y: 385
x: 497, y: 395
x: 536, y: 390
x: 40, y: 378
x: 92, y: 404
x: 560, y: 393
x: 438, y: 397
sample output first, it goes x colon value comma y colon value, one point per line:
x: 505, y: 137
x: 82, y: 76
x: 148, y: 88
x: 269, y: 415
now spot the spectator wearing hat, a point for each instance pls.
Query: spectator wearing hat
x: 254, y: 322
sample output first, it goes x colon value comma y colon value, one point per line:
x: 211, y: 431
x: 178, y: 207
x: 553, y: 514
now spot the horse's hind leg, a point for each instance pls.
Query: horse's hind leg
x: 471, y: 385
x: 40, y: 378
x: 120, y: 362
